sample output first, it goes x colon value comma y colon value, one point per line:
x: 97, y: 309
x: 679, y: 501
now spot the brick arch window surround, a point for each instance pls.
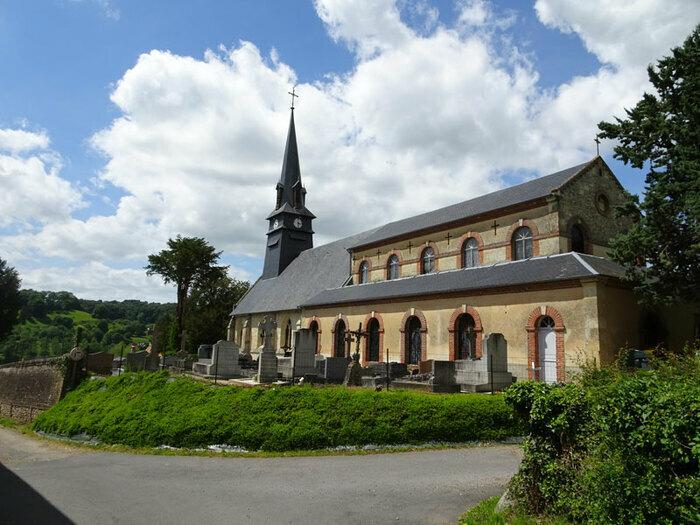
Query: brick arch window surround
x: 373, y: 317
x: 414, y: 312
x: 315, y: 320
x: 510, y: 255
x: 533, y: 352
x: 479, y: 246
x: 454, y: 325
x: 393, y: 266
x: 428, y: 259
x: 341, y: 322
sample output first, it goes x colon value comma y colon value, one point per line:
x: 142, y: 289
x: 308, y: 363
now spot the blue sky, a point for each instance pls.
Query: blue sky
x: 72, y: 75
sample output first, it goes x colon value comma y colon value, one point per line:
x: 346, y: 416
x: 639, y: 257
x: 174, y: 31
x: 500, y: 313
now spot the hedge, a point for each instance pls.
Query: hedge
x: 614, y: 447
x: 153, y: 409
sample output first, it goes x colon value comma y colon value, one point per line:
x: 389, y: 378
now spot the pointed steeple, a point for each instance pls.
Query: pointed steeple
x: 291, y: 173
x: 290, y: 231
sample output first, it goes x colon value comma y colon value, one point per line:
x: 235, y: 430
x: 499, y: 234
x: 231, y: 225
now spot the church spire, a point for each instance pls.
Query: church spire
x: 289, y: 189
x: 289, y: 231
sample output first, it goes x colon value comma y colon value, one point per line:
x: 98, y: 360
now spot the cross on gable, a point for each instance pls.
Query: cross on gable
x: 495, y: 225
x: 448, y: 238
x: 597, y: 145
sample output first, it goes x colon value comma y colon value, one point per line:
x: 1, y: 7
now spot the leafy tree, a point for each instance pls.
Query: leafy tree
x: 188, y: 262
x: 661, y: 251
x: 209, y: 310
x: 9, y: 298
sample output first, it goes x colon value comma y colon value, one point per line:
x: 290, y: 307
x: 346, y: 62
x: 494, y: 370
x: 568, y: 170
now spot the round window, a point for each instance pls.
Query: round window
x: 602, y: 203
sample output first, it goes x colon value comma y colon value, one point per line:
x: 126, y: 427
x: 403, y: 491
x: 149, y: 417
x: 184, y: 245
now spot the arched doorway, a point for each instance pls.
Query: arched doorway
x: 339, y: 339
x: 578, y: 239
x: 413, y: 340
x: 547, y: 349
x: 372, y: 340
x: 313, y: 326
x: 465, y: 337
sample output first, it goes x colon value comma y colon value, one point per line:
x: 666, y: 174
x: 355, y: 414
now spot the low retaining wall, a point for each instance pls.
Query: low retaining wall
x: 29, y: 387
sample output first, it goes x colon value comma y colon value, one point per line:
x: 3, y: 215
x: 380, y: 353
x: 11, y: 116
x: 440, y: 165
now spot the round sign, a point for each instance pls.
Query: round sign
x: 76, y: 354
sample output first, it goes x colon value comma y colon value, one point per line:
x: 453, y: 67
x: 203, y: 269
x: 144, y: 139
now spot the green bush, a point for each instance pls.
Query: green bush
x: 613, y: 447
x: 154, y: 409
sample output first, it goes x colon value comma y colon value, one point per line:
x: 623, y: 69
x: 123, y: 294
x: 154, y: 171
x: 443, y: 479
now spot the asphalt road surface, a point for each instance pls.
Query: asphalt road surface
x: 46, y: 483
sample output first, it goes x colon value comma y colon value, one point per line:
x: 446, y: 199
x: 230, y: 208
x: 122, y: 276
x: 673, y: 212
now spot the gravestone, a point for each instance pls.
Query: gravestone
x: 136, y: 361
x: 336, y: 368
x: 321, y: 365
x: 304, y: 353
x: 152, y: 363
x: 490, y: 372
x: 285, y: 367
x: 267, y: 358
x: 100, y: 363
x: 443, y: 376
x: 223, y: 362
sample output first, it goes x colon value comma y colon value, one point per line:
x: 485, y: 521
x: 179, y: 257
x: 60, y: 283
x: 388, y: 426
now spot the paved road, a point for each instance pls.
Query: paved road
x: 48, y: 483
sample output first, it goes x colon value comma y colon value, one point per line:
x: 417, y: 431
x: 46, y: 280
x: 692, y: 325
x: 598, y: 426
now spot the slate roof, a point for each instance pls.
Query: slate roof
x: 551, y: 268
x: 314, y: 270
x: 527, y: 191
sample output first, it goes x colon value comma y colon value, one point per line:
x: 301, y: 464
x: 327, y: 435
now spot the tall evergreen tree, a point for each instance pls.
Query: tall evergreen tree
x: 9, y: 298
x: 661, y: 251
x: 188, y: 262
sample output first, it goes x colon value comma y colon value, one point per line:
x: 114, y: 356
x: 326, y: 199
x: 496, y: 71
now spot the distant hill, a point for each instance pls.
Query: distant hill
x: 48, y: 321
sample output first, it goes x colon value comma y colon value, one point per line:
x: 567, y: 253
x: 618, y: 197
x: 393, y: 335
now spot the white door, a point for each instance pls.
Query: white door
x: 547, y: 346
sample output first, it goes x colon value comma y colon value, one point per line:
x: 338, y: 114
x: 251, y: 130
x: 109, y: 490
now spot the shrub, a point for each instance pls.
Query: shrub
x: 614, y: 447
x: 154, y: 409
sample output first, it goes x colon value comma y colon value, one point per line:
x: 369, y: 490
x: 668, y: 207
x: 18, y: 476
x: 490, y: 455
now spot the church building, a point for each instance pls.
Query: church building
x: 528, y: 261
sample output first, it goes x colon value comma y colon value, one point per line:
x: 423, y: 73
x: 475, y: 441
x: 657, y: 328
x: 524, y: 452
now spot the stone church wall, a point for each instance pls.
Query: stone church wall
x: 506, y: 313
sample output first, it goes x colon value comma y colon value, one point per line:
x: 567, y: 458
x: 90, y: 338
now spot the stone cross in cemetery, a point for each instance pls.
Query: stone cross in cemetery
x: 353, y: 375
x: 267, y: 359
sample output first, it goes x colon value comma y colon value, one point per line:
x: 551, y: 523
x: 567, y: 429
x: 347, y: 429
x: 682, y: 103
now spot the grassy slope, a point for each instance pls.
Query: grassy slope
x: 153, y: 409
x: 485, y: 514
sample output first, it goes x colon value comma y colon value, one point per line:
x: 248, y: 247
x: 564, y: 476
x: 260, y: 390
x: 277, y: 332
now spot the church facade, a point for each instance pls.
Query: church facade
x: 528, y: 261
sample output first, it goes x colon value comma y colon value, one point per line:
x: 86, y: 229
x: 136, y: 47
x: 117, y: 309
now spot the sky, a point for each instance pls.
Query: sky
x: 124, y: 123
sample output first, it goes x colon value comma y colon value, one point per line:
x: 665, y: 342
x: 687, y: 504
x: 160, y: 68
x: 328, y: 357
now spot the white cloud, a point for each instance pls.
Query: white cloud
x: 105, y: 6
x: 32, y: 189
x: 20, y: 140
x: 627, y: 34
x: 427, y: 117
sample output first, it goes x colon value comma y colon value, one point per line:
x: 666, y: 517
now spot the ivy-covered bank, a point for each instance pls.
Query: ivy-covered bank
x: 147, y: 410
x: 616, y: 446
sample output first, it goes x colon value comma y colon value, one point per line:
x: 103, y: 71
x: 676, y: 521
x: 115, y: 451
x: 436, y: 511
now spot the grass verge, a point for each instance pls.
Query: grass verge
x: 150, y: 410
x: 485, y: 513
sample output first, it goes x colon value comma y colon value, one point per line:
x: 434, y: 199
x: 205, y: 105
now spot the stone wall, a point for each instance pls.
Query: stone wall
x: 29, y: 387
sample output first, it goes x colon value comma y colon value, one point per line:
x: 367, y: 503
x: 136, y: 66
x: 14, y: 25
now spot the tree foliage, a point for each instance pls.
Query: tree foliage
x: 9, y: 298
x: 661, y: 251
x: 209, y: 310
x: 188, y: 262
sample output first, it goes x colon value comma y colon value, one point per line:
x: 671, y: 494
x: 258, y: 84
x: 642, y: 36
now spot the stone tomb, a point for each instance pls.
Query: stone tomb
x: 223, y: 362
x: 475, y: 375
x: 285, y: 367
x: 304, y: 353
x: 136, y: 361
x: 335, y: 369
x: 100, y: 363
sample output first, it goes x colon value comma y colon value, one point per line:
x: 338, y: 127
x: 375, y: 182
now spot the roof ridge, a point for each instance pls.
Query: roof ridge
x: 584, y: 263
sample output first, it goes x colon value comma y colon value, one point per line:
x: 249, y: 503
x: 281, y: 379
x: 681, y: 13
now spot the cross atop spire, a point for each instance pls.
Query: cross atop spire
x: 292, y: 92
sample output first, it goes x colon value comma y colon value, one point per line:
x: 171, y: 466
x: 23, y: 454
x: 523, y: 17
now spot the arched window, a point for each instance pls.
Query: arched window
x: 522, y: 243
x: 413, y: 340
x: 373, y: 340
x: 470, y: 253
x: 364, y: 272
x: 392, y: 270
x: 288, y: 336
x: 314, y: 333
x: 339, y: 339
x: 465, y: 337
x: 427, y: 260
x: 578, y: 239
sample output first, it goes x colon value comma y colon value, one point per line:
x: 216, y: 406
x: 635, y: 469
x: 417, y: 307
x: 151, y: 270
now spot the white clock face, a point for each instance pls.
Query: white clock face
x: 297, y: 222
